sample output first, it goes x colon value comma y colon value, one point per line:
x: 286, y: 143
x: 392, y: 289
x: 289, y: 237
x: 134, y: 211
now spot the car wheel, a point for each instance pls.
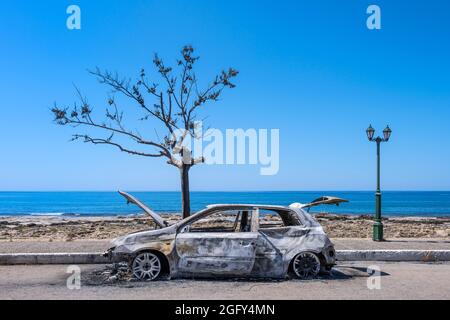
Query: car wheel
x: 146, y: 266
x: 306, y: 265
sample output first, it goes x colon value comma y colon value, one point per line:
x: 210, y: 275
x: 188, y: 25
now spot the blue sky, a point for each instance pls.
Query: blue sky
x: 310, y: 68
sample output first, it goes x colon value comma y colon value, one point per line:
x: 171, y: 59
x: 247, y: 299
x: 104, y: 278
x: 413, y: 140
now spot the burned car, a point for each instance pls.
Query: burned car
x: 237, y: 240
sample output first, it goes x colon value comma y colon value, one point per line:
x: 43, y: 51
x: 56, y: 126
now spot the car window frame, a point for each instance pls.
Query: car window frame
x: 253, y: 227
x: 282, y: 220
x: 254, y: 224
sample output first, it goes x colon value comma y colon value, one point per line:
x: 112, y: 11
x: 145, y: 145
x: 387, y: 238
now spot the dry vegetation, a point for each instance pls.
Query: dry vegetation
x: 96, y: 228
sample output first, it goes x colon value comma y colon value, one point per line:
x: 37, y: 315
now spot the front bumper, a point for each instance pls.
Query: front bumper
x: 109, y: 253
x: 113, y: 256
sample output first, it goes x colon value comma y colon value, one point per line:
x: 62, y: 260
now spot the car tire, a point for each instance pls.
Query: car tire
x: 146, y: 266
x: 306, y: 265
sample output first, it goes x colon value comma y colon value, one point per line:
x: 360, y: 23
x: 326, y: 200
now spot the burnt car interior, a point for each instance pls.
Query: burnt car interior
x: 223, y: 221
x: 241, y: 221
x: 277, y: 219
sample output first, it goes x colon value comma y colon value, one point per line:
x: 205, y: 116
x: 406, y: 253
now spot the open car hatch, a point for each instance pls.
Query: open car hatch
x: 156, y: 217
x: 319, y: 201
x: 324, y: 200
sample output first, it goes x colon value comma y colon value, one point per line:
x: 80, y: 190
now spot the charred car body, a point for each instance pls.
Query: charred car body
x: 235, y: 240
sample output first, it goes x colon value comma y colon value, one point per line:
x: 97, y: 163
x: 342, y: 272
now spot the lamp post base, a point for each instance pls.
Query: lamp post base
x: 378, y: 231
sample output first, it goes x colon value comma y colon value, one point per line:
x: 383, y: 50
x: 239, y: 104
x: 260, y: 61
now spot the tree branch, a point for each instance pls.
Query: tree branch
x: 123, y: 149
x: 176, y: 105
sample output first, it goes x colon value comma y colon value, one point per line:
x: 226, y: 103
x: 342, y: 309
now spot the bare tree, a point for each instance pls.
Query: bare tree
x: 174, y: 104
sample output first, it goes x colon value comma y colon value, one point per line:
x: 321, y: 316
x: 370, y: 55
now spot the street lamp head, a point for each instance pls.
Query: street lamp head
x: 387, y: 133
x: 370, y: 132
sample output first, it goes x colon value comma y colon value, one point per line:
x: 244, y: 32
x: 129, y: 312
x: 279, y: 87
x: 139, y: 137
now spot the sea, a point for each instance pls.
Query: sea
x: 394, y: 203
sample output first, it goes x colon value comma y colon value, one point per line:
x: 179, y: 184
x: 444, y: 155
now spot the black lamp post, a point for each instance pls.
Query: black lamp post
x: 378, y: 225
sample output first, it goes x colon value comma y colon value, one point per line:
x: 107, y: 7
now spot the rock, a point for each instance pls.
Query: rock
x: 442, y: 233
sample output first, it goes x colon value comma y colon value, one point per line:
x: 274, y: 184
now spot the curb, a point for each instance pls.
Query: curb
x: 52, y: 258
x: 393, y: 255
x: 342, y: 255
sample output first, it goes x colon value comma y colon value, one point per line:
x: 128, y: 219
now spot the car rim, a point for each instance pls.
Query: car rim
x: 306, y: 265
x: 146, y: 266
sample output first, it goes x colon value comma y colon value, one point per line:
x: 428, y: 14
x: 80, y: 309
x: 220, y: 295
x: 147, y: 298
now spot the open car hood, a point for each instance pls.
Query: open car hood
x: 156, y: 217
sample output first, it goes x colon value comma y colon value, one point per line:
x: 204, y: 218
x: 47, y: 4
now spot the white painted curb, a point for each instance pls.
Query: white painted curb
x: 52, y: 258
x: 393, y: 255
x: 341, y: 255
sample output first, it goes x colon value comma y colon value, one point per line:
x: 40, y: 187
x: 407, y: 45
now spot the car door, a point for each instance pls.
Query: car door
x: 268, y: 257
x: 219, y: 253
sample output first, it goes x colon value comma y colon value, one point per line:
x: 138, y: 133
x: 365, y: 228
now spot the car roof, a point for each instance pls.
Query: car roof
x: 304, y: 216
x: 249, y: 206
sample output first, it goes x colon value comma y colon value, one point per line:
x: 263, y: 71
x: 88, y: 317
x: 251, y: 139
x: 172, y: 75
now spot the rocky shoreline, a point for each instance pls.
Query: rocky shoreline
x: 63, y: 228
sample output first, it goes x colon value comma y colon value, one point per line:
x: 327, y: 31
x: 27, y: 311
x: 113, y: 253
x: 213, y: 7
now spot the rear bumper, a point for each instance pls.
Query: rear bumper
x: 329, y: 256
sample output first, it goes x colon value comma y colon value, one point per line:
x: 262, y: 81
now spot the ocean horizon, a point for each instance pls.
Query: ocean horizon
x: 108, y: 203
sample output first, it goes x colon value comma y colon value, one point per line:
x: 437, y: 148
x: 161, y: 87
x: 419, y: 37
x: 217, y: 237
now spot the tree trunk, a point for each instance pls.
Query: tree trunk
x: 185, y: 196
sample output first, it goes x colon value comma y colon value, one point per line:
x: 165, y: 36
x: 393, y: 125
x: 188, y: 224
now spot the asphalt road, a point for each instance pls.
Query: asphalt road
x: 349, y: 281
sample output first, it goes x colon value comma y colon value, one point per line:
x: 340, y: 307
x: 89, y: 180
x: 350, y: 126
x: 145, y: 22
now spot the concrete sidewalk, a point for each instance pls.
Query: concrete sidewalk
x: 340, y: 244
